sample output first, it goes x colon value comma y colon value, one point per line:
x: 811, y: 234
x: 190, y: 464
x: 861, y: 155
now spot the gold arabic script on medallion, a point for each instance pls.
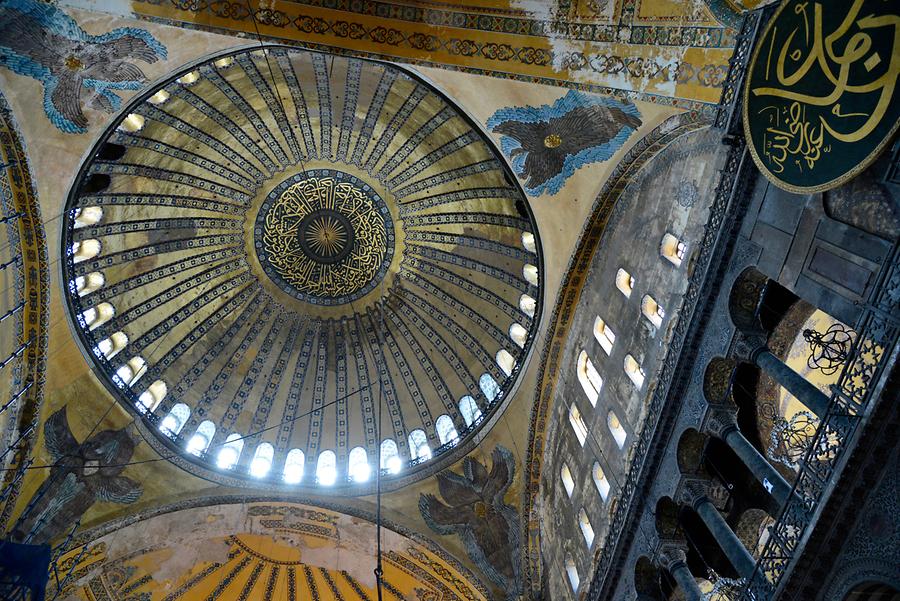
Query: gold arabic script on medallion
x: 318, y: 220
x: 823, y: 81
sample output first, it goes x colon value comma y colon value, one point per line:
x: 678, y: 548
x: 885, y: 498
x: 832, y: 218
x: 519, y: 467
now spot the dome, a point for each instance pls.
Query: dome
x: 272, y: 249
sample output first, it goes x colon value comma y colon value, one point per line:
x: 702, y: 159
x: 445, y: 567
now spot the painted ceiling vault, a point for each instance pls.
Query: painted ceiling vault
x: 283, y: 551
x: 252, y: 248
x: 273, y: 244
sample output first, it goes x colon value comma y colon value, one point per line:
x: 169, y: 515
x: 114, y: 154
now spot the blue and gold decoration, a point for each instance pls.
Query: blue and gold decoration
x: 547, y: 144
x: 39, y: 40
x: 316, y: 257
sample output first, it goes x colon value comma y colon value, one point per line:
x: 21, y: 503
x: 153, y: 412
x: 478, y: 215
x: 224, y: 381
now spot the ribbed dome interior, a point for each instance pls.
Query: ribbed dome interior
x: 269, y: 245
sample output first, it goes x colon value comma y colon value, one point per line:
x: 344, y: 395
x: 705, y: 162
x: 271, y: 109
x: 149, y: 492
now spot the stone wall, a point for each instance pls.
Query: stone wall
x: 670, y: 194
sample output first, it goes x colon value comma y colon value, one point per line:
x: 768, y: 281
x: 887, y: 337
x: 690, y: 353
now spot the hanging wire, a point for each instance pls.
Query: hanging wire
x: 379, y: 568
x: 174, y: 455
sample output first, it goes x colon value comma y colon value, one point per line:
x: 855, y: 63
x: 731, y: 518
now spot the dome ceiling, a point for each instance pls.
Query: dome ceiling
x: 269, y: 246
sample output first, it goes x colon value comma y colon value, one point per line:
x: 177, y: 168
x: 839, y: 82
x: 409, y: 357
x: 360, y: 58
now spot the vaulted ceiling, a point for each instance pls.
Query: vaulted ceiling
x: 184, y: 222
x: 284, y: 245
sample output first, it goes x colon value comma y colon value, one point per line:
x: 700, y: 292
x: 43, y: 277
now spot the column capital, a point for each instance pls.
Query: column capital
x: 720, y: 421
x: 749, y: 345
x: 693, y: 491
x: 672, y: 554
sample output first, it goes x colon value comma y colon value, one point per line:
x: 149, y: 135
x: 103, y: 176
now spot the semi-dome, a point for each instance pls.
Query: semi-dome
x: 272, y: 247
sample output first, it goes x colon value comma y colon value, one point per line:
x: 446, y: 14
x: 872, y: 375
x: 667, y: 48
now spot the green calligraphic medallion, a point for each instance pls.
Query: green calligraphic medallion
x: 821, y: 101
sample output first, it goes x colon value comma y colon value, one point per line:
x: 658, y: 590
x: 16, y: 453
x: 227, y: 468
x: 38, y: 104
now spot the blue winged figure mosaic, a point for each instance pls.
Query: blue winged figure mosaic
x: 547, y: 144
x: 41, y: 41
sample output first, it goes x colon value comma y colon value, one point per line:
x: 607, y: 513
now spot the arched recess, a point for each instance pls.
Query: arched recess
x: 646, y: 579
x: 24, y: 244
x: 269, y: 536
x: 561, y: 321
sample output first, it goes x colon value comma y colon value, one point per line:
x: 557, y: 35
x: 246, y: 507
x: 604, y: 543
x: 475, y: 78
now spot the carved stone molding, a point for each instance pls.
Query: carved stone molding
x: 748, y: 345
x: 693, y: 491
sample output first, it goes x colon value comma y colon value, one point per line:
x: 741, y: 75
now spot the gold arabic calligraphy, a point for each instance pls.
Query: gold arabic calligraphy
x: 790, y: 135
x: 281, y: 237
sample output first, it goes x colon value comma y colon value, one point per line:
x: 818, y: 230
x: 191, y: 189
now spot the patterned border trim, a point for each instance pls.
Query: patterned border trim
x: 705, y: 108
x: 564, y: 312
x: 522, y: 22
x: 91, y: 534
x: 33, y: 250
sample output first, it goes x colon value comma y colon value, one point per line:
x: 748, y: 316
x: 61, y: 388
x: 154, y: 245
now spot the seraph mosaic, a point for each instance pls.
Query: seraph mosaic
x: 83, y: 473
x: 39, y: 40
x: 474, y: 509
x: 547, y: 144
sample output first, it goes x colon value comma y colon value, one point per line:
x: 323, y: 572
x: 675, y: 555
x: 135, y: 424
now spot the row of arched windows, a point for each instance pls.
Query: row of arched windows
x: 599, y: 477
x: 517, y: 332
x: 96, y: 316
x: 579, y: 427
x: 228, y: 455
x: 87, y: 249
x: 674, y: 251
x: 358, y: 468
x: 602, y: 486
x: 650, y: 308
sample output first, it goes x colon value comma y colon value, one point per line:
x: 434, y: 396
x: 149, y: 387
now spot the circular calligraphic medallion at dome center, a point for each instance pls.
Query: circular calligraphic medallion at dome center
x: 324, y: 236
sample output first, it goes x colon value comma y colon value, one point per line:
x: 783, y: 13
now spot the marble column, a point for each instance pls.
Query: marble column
x: 806, y: 392
x: 674, y: 559
x: 694, y: 494
x: 723, y: 424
